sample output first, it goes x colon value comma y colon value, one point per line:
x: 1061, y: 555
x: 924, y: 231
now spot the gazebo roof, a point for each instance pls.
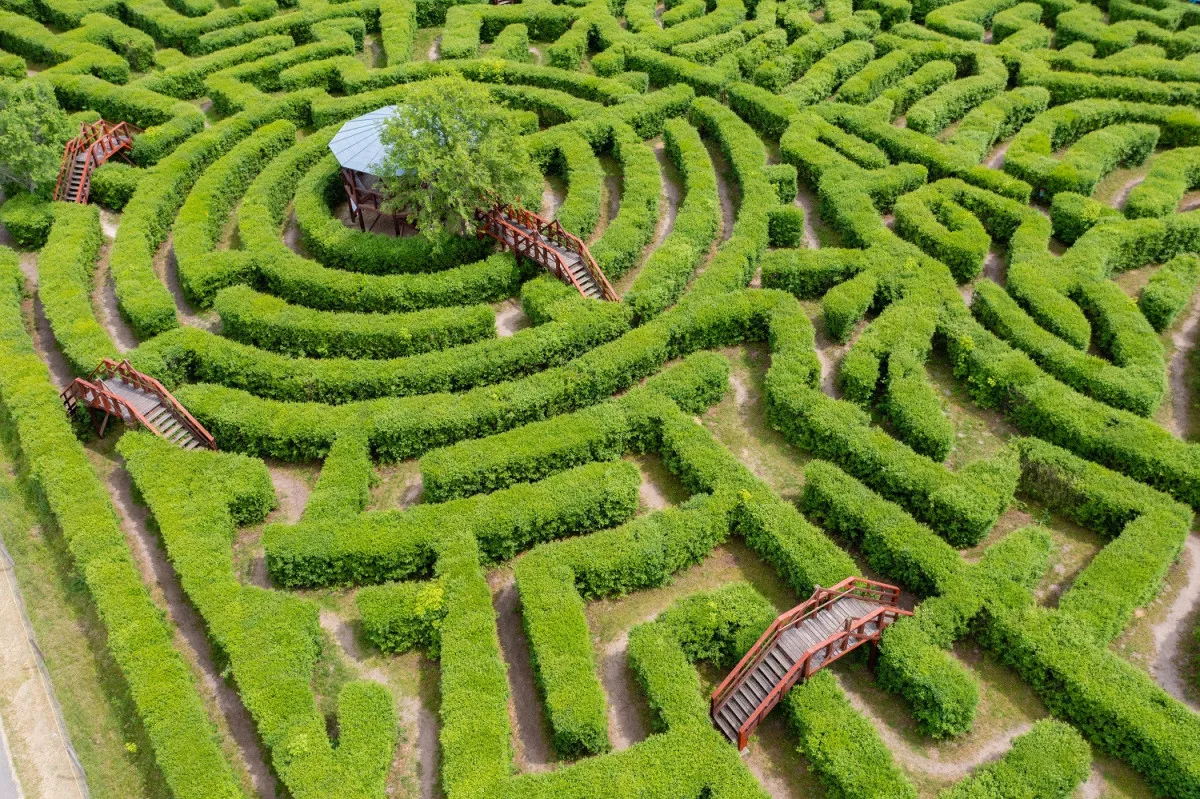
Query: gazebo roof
x: 357, y: 146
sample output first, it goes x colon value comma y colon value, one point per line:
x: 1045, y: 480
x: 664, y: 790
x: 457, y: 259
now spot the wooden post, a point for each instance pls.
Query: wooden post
x: 873, y: 656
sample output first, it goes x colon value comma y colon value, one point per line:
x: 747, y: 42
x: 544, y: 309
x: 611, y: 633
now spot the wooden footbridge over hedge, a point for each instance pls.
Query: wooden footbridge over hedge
x: 830, y: 624
x: 547, y: 244
x: 96, y: 143
x: 117, y: 389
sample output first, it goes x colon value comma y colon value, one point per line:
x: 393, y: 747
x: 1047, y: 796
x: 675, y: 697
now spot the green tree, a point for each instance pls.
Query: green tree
x: 33, y: 130
x: 451, y: 151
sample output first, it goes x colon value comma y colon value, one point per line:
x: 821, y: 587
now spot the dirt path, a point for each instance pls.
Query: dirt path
x: 996, y: 159
x: 9, y: 787
x: 1122, y: 196
x: 510, y: 317
x: 1173, y: 634
x: 293, y: 237
x: 36, y: 736
x: 628, y: 721
x: 44, y: 343
x: 532, y: 744
x: 554, y: 191
x: 726, y: 190
x: 190, y: 639
x: 104, y: 296
x: 170, y: 276
x: 808, y: 201
x: 290, y: 489
x: 904, y: 755
x: 435, y: 50
x: 1184, y: 339
x: 671, y: 196
x: 414, y: 715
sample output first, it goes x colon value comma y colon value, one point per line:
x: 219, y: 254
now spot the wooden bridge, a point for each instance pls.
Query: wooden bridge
x: 548, y: 245
x: 801, y: 642
x: 119, y: 390
x: 96, y: 143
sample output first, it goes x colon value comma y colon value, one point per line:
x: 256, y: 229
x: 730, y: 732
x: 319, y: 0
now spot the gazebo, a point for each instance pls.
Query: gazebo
x: 359, y: 151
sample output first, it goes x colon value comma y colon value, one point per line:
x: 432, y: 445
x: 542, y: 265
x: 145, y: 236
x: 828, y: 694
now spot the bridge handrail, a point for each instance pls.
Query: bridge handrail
x: 499, y: 217
x: 800, y: 669
x: 108, y: 402
x: 123, y: 369
x: 90, y: 134
x: 821, y: 598
x: 553, y: 230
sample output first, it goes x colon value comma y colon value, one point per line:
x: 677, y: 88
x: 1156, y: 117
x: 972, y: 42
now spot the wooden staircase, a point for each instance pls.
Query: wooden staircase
x: 96, y: 143
x: 119, y: 390
x: 548, y: 245
x: 801, y: 642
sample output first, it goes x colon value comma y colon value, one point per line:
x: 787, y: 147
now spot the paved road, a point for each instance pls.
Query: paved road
x: 8, y: 781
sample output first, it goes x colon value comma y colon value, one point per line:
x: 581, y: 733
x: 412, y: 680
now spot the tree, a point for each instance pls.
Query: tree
x: 451, y: 151
x: 33, y: 130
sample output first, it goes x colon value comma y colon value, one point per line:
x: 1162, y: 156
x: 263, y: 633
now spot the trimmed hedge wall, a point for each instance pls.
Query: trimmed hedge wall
x: 163, y: 691
x: 65, y: 267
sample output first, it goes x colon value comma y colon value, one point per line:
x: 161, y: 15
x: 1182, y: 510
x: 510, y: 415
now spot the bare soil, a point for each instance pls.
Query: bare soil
x: 1179, y: 370
x: 628, y: 716
x: 554, y: 191
x: 806, y: 200
x: 727, y: 190
x: 532, y: 739
x: 104, y: 301
x: 510, y: 317
x: 1173, y: 640
x: 996, y: 159
x: 168, y: 270
x: 414, y: 715
x: 291, y: 489
x: 1122, y: 196
x: 435, y: 50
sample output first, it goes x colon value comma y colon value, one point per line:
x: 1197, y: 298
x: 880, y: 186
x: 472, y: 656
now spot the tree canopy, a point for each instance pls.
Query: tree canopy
x: 33, y: 130
x: 451, y: 151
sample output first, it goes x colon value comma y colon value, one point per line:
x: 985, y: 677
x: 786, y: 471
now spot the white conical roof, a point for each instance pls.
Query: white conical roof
x: 357, y: 146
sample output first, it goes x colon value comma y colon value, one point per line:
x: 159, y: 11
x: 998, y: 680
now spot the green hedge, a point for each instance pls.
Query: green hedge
x: 397, y: 617
x: 163, y: 691
x: 113, y: 184
x: 28, y: 219
x: 270, y: 638
x: 379, y: 546
x: 270, y: 323
x: 842, y: 745
x: 194, y: 355
x: 1169, y: 290
x: 65, y: 267
x: 1050, y: 761
x: 666, y: 273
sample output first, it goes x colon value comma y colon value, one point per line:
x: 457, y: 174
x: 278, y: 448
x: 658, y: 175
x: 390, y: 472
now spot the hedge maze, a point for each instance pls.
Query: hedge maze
x: 907, y: 292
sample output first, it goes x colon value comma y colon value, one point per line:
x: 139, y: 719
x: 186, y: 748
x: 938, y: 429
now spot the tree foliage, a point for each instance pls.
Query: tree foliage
x: 450, y: 151
x: 33, y: 130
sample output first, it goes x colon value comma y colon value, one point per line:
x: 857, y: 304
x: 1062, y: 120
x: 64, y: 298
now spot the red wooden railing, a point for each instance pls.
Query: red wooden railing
x: 523, y: 230
x: 123, y: 370
x: 835, y: 646
x: 98, y: 141
x: 95, y: 395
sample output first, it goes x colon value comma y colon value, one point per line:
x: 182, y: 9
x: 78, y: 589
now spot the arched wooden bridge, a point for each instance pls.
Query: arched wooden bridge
x: 547, y: 244
x: 117, y: 389
x: 96, y: 143
x: 833, y: 622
